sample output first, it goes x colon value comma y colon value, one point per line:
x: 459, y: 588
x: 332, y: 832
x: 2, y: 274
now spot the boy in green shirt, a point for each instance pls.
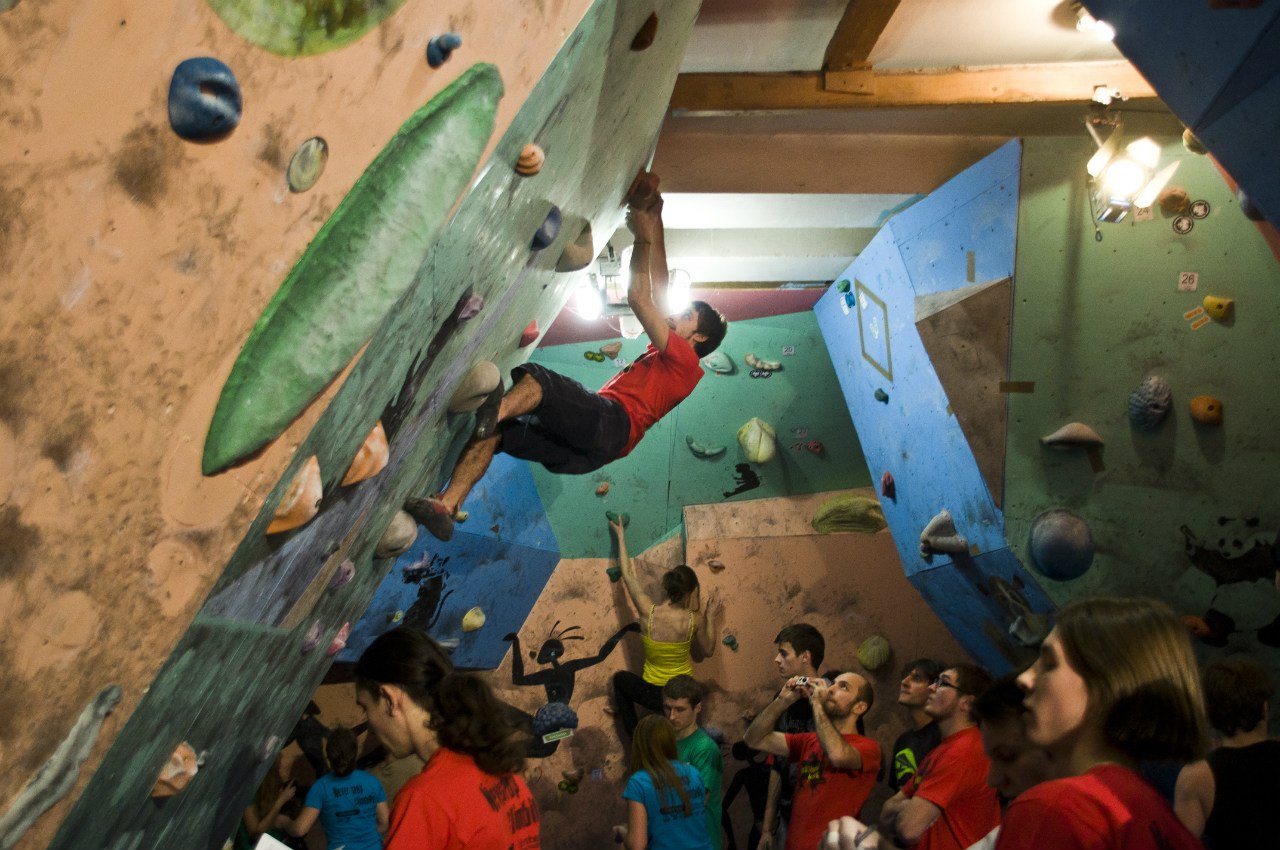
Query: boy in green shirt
x: 682, y: 704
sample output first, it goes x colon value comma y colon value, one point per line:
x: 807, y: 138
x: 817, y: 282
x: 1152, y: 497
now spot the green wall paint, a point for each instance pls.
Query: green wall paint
x: 661, y: 476
x: 1091, y: 320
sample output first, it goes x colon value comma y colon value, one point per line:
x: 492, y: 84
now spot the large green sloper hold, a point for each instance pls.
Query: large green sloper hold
x: 363, y: 259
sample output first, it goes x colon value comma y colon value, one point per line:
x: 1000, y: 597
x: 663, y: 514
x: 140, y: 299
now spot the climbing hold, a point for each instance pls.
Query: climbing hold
x: 362, y: 260
x: 461, y: 516
x: 699, y: 450
x: 301, y: 500
x: 441, y: 47
x: 1193, y: 144
x: 644, y: 187
x: 842, y: 285
x: 530, y: 161
x: 881, y: 396
x: 573, y: 777
x: 849, y: 512
x: 1060, y: 545
x: 1218, y: 308
x: 548, y: 231
x: 343, y: 575
x: 1206, y: 410
x: 720, y: 362
x: 1248, y: 207
x: 603, y: 488
x: 339, y: 641
x: 874, y: 652
x: 579, y: 253
x: 269, y: 748
x: 760, y: 363
x: 1149, y: 403
x: 1073, y: 435
x: 469, y: 306
x: 1174, y: 201
x: 611, y: 350
x: 614, y: 574
x: 370, y: 459
x: 594, y: 356
x: 646, y: 34
x: 613, y: 516
x: 399, y: 536
x: 177, y: 772
x: 482, y: 379
x: 204, y: 99
x: 395, y: 617
x: 552, y: 718
x: 940, y: 535
x: 731, y: 641
x: 473, y: 619
x: 816, y: 447
x: 758, y: 440
x: 312, y: 638
x: 307, y: 164
x: 715, y: 566
x: 530, y: 334
x: 888, y: 488
x: 1196, y: 626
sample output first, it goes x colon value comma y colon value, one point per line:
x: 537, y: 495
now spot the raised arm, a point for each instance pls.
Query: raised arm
x: 639, y: 598
x: 709, y: 627
x: 760, y: 735
x: 839, y: 752
x: 647, y: 293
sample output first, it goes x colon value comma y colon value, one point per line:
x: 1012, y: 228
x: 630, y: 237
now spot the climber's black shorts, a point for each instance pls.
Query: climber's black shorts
x: 572, y: 432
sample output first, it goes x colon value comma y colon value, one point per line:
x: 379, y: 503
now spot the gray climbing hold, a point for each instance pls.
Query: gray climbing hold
x: 548, y: 231
x: 204, y: 99
x: 307, y: 164
x: 1061, y: 545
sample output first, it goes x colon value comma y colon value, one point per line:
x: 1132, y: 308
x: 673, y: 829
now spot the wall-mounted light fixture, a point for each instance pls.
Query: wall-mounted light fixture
x: 1123, y: 179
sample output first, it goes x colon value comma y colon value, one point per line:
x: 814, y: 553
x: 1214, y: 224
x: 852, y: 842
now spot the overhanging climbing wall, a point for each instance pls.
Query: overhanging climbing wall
x: 915, y: 393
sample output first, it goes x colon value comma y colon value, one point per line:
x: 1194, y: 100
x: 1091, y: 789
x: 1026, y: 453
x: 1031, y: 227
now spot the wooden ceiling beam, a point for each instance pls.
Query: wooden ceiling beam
x: 1048, y: 83
x: 846, y: 65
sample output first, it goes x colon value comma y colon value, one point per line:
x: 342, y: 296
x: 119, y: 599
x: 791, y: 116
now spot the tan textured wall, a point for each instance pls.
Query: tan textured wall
x: 134, y: 264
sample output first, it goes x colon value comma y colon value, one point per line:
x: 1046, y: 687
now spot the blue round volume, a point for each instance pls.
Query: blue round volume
x: 204, y: 99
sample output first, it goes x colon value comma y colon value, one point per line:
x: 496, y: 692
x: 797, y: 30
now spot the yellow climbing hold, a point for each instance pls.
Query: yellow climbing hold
x: 1218, y: 308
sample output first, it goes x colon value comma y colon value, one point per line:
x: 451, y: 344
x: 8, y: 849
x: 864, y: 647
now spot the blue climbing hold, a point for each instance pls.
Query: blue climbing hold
x: 441, y: 46
x: 204, y: 99
x: 550, y: 229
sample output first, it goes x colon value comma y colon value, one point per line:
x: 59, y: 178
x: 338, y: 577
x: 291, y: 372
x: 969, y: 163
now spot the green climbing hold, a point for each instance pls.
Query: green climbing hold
x: 849, y: 512
x: 614, y: 516
x: 703, y: 451
x: 303, y: 27
x: 614, y: 574
x: 882, y: 396
x: 358, y: 266
x: 843, y: 285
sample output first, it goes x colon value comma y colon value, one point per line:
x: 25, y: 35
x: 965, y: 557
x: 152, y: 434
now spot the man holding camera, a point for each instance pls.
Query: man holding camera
x: 837, y: 766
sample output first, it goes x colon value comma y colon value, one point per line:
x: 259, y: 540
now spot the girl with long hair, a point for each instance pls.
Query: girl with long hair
x: 350, y: 804
x: 669, y: 632
x: 470, y: 793
x: 666, y: 798
x: 1115, y: 684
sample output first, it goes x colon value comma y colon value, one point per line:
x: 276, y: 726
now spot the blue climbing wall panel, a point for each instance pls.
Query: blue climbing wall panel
x: 498, y: 560
x: 962, y: 233
x: 1219, y: 71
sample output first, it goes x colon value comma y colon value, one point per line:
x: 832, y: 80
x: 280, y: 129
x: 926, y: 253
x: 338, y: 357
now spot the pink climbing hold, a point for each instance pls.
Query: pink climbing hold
x: 887, y: 487
x: 339, y: 641
x: 530, y: 334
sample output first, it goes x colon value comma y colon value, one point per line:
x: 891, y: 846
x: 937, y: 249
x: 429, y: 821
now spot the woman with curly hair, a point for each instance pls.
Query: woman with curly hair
x: 666, y: 799
x: 1115, y: 684
x: 470, y: 793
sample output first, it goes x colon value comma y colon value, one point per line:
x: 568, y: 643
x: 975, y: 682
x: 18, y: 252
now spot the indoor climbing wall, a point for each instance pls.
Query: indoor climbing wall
x: 917, y: 328
x: 189, y: 271
x: 1114, y: 333
x: 1217, y: 65
x: 771, y: 569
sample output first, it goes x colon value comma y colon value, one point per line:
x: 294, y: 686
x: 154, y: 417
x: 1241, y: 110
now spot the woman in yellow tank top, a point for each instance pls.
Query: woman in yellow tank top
x: 670, y: 630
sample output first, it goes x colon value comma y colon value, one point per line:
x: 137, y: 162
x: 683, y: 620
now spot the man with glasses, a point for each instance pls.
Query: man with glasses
x: 947, y: 805
x: 553, y: 420
x: 915, y: 743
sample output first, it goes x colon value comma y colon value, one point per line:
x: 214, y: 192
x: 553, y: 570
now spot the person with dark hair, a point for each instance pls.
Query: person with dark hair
x: 668, y: 633
x: 1016, y: 763
x: 666, y: 800
x: 1230, y: 797
x: 837, y: 765
x: 1115, y: 684
x: 349, y: 803
x: 682, y: 704
x: 553, y: 420
x: 947, y: 805
x: 270, y: 808
x: 801, y: 649
x: 913, y: 745
x: 470, y: 794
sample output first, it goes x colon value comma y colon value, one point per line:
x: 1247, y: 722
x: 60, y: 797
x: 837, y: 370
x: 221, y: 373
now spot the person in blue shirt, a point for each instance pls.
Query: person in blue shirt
x: 350, y: 804
x: 666, y: 798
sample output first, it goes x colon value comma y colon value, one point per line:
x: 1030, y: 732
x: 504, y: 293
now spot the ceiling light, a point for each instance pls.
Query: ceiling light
x: 1087, y: 23
x: 679, y: 291
x: 1121, y: 181
x: 588, y: 299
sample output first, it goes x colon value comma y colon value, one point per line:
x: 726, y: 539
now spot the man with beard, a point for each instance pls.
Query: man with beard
x: 837, y: 767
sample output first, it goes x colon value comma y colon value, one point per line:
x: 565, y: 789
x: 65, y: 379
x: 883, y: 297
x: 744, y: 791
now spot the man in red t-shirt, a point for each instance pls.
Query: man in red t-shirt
x: 555, y: 421
x: 837, y: 766
x: 947, y: 805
